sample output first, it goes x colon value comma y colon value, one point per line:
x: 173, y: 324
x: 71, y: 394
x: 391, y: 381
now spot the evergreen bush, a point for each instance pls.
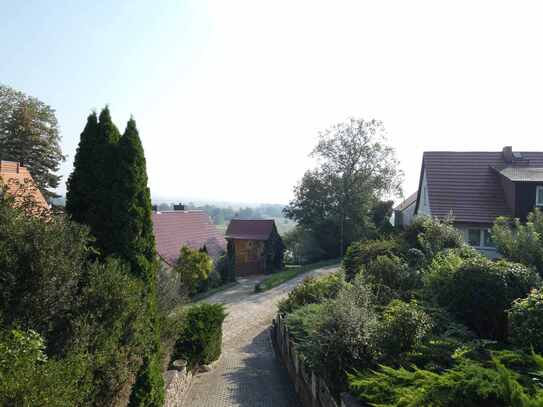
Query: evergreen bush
x: 200, y: 339
x: 469, y: 384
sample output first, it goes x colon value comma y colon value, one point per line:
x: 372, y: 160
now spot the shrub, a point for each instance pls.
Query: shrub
x: 193, y: 267
x: 362, y: 253
x: 518, y: 242
x: 431, y: 236
x: 169, y: 291
x: 391, y: 272
x: 214, y: 279
x: 303, y: 322
x: 110, y: 323
x: 29, y: 378
x: 468, y: 384
x: 526, y: 318
x: 479, y: 291
x: 401, y: 328
x: 200, y: 339
x: 312, y: 291
x: 221, y: 267
x: 342, y: 336
x: 437, y: 236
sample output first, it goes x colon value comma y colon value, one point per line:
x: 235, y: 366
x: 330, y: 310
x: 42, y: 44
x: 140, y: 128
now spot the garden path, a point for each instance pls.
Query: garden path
x: 248, y: 374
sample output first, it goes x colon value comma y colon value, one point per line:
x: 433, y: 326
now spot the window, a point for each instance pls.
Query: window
x: 474, y: 237
x: 539, y: 195
x: 488, y: 238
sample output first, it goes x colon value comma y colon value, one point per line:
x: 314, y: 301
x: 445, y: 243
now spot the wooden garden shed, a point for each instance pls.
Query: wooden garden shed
x: 254, y: 246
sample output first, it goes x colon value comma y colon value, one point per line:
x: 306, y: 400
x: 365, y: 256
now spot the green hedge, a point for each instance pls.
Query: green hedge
x: 479, y: 291
x: 201, y: 334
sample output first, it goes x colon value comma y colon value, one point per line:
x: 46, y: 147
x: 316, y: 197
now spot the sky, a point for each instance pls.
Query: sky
x: 229, y: 96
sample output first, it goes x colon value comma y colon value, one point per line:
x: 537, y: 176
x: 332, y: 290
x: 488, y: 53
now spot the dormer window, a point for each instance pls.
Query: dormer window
x: 539, y: 196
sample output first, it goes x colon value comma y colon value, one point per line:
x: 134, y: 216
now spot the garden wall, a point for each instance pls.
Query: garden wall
x: 311, y: 389
x: 177, y: 383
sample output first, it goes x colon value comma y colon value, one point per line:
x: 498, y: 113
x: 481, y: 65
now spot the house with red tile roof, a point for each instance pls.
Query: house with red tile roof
x: 178, y: 228
x: 475, y: 187
x: 255, y: 246
x: 18, y: 182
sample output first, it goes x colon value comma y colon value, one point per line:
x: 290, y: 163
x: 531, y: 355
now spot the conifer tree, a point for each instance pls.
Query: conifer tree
x: 133, y: 240
x: 91, y: 187
x: 82, y: 181
x: 108, y: 191
x: 132, y: 235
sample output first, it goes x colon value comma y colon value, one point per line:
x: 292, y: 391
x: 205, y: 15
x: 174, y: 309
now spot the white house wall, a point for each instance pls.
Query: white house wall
x: 424, y: 204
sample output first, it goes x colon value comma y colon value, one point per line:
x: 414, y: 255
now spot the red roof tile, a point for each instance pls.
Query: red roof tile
x: 250, y: 229
x: 175, y: 229
x: 19, y: 183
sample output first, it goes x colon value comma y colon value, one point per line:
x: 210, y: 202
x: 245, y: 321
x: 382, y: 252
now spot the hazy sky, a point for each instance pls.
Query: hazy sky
x: 229, y: 95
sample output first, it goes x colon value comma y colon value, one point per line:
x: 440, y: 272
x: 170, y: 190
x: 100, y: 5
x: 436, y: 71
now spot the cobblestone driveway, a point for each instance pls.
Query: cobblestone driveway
x: 248, y: 374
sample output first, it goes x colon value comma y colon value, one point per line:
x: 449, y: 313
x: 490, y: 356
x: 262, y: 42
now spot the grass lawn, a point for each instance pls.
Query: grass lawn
x: 290, y: 272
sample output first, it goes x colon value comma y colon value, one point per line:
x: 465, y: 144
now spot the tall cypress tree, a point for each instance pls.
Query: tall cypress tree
x: 91, y: 186
x: 82, y: 182
x: 132, y: 236
x: 108, y: 191
x: 105, y: 194
x: 133, y: 240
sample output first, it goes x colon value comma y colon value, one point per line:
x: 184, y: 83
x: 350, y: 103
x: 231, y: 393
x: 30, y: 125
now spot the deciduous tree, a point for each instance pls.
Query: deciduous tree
x: 355, y: 168
x: 29, y: 134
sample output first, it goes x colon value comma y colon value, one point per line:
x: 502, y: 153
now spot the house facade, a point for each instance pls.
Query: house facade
x: 474, y: 188
x: 178, y: 228
x: 254, y: 246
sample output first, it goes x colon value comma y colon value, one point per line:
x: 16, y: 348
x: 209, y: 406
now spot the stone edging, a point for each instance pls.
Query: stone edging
x: 178, y: 382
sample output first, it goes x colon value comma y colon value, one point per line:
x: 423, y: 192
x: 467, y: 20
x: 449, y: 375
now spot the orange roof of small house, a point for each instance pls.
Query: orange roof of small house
x: 19, y: 182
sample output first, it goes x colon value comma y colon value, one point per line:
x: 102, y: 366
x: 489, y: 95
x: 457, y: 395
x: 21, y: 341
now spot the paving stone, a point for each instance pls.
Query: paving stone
x: 248, y: 373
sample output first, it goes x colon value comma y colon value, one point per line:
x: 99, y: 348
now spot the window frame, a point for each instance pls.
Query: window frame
x: 469, y: 237
x: 538, y: 188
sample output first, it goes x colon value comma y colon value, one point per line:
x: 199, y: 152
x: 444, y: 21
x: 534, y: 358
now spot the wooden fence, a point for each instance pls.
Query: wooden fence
x: 311, y: 389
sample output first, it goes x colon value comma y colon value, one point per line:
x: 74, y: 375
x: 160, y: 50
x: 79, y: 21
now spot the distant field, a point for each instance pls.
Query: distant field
x: 284, y: 225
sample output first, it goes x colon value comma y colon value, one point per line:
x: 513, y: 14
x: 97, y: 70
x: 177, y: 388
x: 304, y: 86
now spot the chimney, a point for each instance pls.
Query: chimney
x: 508, y: 154
x: 178, y: 207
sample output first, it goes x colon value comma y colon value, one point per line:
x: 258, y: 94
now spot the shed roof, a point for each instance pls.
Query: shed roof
x: 466, y: 184
x: 175, y: 229
x: 250, y: 229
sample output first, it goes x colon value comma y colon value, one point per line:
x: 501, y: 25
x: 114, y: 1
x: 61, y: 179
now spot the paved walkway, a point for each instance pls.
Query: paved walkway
x: 248, y: 374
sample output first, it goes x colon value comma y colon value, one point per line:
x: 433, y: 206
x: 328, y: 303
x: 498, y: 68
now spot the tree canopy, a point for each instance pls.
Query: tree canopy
x: 355, y: 168
x: 29, y: 134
